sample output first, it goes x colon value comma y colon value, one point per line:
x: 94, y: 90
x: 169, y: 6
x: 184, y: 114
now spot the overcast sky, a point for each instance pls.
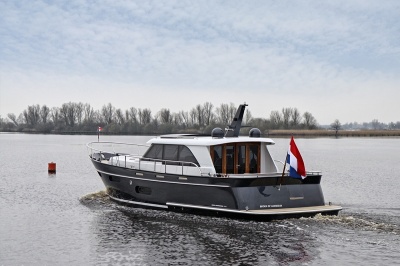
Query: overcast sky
x: 335, y: 59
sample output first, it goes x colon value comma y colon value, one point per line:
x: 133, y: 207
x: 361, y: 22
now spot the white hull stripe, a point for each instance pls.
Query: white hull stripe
x: 299, y: 210
x: 162, y: 181
x: 139, y: 203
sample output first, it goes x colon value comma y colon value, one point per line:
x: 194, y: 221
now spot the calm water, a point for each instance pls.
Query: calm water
x: 65, y: 219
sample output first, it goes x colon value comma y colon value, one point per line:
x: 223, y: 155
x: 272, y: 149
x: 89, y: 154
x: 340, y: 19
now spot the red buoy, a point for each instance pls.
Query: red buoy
x: 52, y: 167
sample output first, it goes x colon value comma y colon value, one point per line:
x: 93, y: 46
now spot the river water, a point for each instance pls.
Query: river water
x: 65, y: 218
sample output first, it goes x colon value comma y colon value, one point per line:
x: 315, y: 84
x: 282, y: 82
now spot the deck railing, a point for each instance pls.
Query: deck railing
x: 137, y: 155
x: 139, y: 149
x: 307, y: 172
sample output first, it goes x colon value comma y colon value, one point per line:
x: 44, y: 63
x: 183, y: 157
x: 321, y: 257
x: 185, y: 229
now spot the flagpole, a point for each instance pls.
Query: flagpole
x: 283, y: 172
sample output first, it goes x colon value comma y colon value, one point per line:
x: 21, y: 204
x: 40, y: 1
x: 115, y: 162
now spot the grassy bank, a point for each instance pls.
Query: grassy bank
x: 332, y: 133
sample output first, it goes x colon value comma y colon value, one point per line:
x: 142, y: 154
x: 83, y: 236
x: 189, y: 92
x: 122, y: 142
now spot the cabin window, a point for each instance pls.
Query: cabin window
x: 171, y: 153
x: 154, y: 152
x: 236, y: 158
x: 185, y: 155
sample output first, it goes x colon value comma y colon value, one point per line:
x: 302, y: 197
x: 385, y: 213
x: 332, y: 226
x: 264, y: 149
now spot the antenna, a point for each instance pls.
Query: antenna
x: 233, y: 129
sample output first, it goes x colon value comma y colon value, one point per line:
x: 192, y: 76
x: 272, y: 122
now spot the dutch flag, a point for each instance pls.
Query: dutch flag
x: 295, y: 161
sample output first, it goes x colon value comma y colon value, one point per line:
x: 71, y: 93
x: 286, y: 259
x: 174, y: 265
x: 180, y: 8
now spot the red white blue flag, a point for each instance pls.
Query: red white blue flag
x: 295, y: 161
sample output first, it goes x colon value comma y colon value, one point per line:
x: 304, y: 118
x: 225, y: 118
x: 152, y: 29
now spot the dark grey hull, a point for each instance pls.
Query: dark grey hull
x: 267, y: 197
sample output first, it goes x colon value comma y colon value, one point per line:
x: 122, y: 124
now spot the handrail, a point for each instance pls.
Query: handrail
x: 279, y: 161
x: 137, y: 156
x: 90, y: 144
x: 315, y: 172
x: 181, y: 163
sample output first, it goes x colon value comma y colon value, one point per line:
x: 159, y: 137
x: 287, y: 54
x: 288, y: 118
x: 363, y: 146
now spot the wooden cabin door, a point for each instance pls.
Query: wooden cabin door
x: 236, y: 158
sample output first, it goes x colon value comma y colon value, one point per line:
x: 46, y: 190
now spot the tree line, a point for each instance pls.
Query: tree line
x: 81, y: 117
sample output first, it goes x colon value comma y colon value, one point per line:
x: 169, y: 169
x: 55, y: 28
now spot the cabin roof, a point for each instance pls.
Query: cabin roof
x: 206, y: 141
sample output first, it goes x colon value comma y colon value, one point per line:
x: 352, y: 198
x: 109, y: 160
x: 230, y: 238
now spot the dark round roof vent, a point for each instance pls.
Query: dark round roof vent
x: 254, y: 133
x: 217, y: 133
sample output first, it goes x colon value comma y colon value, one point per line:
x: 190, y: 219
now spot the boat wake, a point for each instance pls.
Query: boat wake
x: 100, y: 200
x: 353, y: 222
x: 96, y: 200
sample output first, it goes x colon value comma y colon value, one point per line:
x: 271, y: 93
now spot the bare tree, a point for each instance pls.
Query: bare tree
x: 222, y: 114
x: 88, y: 113
x: 336, y: 125
x: 231, y: 112
x: 247, y: 117
x: 208, y: 113
x: 119, y: 116
x: 55, y: 115
x: 13, y: 118
x: 147, y: 115
x: 225, y: 113
x: 144, y: 116
x: 64, y: 113
x: 184, y: 118
x: 108, y: 112
x: 309, y: 121
x: 98, y: 117
x: 133, y: 115
x: 193, y: 116
x: 71, y: 113
x: 276, y: 119
x: 44, y: 113
x: 199, y: 115
x: 295, y: 117
x: 79, y: 107
x: 286, y: 113
x: 176, y: 119
x: 32, y: 115
x: 165, y: 116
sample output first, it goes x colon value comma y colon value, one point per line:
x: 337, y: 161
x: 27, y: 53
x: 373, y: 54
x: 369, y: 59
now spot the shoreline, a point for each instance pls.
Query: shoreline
x: 332, y: 133
x: 266, y: 133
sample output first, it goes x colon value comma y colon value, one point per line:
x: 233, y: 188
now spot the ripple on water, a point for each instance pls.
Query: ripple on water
x: 355, y: 222
x: 126, y: 234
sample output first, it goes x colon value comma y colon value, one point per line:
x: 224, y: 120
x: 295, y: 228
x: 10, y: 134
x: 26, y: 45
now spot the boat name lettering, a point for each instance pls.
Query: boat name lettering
x: 217, y: 205
x: 271, y: 206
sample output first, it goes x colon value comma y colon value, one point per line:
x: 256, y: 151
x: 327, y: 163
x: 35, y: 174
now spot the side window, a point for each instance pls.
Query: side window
x: 170, y: 152
x: 253, y: 153
x: 217, y: 158
x: 154, y: 152
x: 185, y: 155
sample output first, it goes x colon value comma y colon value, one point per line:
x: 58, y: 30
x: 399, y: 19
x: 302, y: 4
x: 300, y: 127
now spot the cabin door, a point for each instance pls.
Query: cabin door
x: 236, y: 158
x: 241, y: 159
